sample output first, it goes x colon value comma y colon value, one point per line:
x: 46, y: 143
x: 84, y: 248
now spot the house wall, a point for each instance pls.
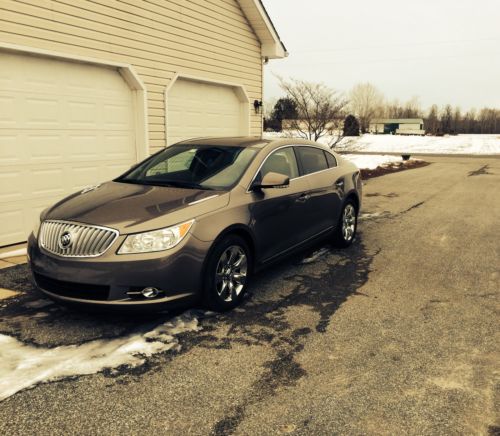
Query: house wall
x: 204, y: 38
x: 404, y: 126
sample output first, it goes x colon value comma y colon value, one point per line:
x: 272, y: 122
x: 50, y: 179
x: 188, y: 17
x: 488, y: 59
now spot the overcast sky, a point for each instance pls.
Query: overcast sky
x: 443, y: 51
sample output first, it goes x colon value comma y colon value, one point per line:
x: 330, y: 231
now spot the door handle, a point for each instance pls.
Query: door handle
x: 303, y: 198
x: 339, y: 184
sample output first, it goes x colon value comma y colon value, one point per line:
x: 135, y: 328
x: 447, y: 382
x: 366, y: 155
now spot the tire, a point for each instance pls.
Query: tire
x: 345, y: 232
x: 227, y: 274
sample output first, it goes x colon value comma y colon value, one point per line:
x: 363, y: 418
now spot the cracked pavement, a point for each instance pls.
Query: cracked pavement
x: 397, y: 334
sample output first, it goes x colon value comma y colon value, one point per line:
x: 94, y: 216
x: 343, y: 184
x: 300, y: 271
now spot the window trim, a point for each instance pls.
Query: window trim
x: 299, y: 163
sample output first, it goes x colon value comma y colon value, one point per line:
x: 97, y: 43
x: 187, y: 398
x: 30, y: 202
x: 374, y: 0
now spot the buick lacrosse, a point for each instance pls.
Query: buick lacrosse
x: 193, y: 222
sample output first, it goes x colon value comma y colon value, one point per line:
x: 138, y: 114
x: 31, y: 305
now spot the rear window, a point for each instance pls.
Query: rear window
x: 332, y: 162
x: 312, y: 159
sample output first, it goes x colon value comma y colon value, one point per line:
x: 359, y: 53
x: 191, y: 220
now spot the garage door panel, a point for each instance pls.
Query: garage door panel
x: 119, y: 147
x: 8, y: 154
x: 84, y: 176
x: 46, y: 182
x: 10, y: 185
x: 82, y: 114
x: 40, y: 112
x: 7, y: 118
x: 40, y: 147
x: 63, y: 126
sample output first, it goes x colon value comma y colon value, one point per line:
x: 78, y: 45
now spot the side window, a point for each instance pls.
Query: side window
x: 332, y: 162
x: 281, y: 161
x: 312, y: 159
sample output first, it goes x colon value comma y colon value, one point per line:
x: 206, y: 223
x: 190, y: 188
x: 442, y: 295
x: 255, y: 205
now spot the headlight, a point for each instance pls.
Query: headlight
x: 156, y: 240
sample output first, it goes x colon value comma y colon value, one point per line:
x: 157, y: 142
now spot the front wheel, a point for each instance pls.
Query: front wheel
x: 347, y: 225
x: 227, y: 274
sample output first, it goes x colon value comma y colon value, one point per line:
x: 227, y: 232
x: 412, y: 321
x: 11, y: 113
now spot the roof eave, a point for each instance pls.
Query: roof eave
x: 257, y: 16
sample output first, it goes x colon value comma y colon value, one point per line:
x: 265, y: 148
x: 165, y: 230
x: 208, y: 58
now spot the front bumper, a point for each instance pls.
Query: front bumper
x: 113, y: 280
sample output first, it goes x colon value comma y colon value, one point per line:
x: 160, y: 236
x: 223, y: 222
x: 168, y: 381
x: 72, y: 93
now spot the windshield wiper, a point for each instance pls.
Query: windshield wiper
x: 168, y: 183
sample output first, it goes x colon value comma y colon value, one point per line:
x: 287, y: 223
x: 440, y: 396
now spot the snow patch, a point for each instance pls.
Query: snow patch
x: 315, y: 255
x: 24, y: 366
x: 371, y: 161
x: 37, y: 304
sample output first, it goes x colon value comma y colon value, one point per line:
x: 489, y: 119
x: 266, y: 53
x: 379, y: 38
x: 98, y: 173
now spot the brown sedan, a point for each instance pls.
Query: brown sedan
x: 192, y: 222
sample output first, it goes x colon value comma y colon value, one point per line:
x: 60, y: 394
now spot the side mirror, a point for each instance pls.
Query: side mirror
x: 272, y: 180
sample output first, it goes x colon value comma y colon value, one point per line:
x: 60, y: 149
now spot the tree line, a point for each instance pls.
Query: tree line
x: 365, y: 102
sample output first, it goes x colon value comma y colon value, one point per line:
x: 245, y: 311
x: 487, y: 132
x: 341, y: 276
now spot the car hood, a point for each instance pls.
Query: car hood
x: 132, y: 208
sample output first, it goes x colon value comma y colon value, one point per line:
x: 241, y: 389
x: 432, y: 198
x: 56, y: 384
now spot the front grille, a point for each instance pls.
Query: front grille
x: 70, y: 239
x: 71, y: 289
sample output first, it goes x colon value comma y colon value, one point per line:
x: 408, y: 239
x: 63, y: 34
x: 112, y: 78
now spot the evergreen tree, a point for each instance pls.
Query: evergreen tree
x: 351, y: 126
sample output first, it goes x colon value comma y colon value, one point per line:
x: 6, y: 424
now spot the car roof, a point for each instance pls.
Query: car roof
x: 235, y: 141
x: 250, y: 141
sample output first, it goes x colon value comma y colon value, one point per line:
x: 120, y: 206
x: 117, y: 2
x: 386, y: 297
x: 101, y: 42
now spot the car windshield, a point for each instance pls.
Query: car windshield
x: 193, y: 166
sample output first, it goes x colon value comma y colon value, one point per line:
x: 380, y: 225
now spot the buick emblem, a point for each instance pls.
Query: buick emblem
x: 65, y: 240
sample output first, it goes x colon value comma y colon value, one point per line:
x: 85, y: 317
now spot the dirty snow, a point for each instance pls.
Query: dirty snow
x: 315, y: 255
x: 23, y: 365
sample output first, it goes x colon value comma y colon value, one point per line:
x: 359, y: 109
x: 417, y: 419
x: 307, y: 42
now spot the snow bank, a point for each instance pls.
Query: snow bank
x: 23, y: 366
x: 459, y: 144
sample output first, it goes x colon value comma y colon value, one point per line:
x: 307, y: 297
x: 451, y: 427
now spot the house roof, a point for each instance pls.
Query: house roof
x: 257, y: 16
x: 397, y: 121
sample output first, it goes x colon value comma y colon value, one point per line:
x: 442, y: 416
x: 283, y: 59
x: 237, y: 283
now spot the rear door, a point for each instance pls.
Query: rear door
x: 279, y: 214
x: 323, y: 200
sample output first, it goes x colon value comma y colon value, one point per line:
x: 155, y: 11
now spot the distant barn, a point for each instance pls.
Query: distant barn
x: 397, y: 126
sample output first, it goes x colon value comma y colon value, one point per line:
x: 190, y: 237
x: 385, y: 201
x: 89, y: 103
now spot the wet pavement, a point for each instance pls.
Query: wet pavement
x: 397, y: 334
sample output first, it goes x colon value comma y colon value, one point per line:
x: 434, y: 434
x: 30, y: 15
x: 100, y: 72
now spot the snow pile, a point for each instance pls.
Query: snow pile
x: 23, y: 366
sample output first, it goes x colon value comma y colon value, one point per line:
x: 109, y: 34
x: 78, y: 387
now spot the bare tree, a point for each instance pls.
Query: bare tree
x: 320, y: 110
x: 432, y: 122
x: 412, y: 108
x: 365, y: 101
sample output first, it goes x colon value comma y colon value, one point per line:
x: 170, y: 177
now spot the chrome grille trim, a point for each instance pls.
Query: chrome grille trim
x: 87, y: 240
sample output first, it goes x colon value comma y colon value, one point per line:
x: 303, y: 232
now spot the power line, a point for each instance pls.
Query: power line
x: 337, y: 61
x: 401, y: 44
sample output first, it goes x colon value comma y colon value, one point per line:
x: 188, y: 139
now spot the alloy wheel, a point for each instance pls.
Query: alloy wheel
x: 231, y: 273
x: 348, y: 222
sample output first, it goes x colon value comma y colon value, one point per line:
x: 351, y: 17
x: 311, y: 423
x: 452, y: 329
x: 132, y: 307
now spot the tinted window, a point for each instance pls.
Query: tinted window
x: 312, y: 159
x: 281, y: 161
x: 332, y: 162
x: 193, y: 166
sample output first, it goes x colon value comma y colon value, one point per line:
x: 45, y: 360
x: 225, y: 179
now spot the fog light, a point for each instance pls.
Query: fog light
x: 150, y: 292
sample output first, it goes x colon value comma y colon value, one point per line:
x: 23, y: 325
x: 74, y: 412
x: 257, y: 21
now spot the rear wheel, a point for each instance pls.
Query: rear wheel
x: 347, y: 225
x: 227, y: 274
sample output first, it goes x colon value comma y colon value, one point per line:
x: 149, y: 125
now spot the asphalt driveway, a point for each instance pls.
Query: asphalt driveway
x: 397, y: 334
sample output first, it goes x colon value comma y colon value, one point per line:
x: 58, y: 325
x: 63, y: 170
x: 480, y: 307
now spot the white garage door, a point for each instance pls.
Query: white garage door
x: 63, y: 126
x: 197, y: 109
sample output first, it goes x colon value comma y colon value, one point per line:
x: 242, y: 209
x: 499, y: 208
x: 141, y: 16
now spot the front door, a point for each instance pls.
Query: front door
x: 278, y: 214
